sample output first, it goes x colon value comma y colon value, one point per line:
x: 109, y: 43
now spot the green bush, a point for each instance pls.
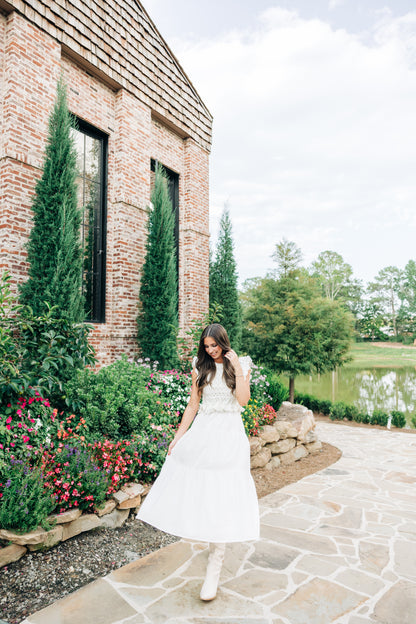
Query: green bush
x: 303, y: 399
x: 38, y: 352
x: 277, y: 392
x: 379, y: 418
x: 325, y: 407
x: 114, y: 401
x: 338, y: 410
x: 351, y: 412
x: 413, y: 421
x: 24, y: 503
x: 398, y: 419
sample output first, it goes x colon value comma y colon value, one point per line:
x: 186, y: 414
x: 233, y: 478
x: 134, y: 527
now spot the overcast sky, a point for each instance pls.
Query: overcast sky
x: 314, y: 105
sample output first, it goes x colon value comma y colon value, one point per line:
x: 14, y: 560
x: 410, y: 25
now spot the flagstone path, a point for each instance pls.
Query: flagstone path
x: 337, y: 547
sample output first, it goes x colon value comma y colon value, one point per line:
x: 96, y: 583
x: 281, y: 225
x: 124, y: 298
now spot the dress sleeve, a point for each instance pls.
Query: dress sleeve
x: 194, y: 364
x: 246, y: 364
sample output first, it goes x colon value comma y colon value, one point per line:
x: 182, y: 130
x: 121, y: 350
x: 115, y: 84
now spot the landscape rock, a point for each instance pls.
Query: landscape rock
x: 273, y: 463
x: 269, y: 434
x: 108, y: 508
x: 120, y: 497
x: 66, y: 516
x: 294, y: 455
x: 301, y: 418
x: 283, y: 446
x: 130, y: 502
x: 285, y: 429
x: 255, y: 445
x: 33, y: 537
x: 311, y: 436
x: 52, y: 537
x: 83, y: 523
x: 133, y: 489
x: 261, y: 459
x: 115, y: 519
x: 11, y: 553
x: 314, y: 447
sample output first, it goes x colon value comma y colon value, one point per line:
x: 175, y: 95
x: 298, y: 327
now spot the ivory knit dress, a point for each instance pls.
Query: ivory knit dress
x: 205, y: 491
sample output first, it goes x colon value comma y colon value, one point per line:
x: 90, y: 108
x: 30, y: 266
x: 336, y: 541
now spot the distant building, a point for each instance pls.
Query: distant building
x: 135, y: 106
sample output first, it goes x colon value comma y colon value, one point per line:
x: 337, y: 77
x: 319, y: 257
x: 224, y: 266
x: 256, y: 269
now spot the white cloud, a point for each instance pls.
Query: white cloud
x: 314, y: 137
x: 334, y: 4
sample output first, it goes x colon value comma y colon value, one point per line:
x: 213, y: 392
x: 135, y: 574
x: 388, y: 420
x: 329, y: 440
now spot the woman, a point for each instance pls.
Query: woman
x: 205, y: 491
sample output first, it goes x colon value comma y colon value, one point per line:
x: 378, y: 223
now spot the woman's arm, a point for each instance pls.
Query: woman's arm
x: 189, y: 413
x: 242, y: 384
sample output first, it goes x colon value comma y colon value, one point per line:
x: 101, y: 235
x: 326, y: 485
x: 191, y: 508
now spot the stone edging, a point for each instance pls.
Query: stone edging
x: 70, y: 523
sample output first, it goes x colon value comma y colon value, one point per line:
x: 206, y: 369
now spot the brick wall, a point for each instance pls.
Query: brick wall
x: 31, y: 61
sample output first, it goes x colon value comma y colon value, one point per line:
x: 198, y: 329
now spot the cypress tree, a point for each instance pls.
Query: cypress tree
x: 158, y: 317
x: 54, y: 246
x: 223, y: 281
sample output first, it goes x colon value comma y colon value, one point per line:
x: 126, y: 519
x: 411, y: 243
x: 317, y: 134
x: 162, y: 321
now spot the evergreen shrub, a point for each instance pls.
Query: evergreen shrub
x: 379, y: 417
x: 398, y: 419
x: 115, y: 402
x: 325, y: 406
x: 338, y: 410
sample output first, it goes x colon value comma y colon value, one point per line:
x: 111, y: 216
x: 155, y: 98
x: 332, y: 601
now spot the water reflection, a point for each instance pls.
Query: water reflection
x: 371, y: 388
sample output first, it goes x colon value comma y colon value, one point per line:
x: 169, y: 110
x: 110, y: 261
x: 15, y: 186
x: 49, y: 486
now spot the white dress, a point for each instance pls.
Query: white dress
x: 205, y: 491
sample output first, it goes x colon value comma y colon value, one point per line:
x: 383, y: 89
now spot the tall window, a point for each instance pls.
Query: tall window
x: 173, y: 190
x: 91, y: 146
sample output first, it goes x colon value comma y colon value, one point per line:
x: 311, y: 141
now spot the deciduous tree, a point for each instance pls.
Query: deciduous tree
x: 292, y: 329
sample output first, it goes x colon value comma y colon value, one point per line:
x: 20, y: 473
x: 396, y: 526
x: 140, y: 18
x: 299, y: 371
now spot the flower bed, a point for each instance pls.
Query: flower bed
x: 54, y: 466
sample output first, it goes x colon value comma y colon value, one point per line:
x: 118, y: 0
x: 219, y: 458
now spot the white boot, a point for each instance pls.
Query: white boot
x: 215, y: 559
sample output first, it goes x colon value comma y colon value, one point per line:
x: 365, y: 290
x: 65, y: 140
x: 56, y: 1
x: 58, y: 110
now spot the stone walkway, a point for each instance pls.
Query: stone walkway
x: 338, y: 546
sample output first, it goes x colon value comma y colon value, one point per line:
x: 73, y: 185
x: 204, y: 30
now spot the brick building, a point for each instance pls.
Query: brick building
x: 135, y: 106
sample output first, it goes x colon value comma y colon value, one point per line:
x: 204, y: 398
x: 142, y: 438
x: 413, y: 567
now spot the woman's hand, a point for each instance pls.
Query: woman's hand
x: 173, y: 443
x: 233, y: 357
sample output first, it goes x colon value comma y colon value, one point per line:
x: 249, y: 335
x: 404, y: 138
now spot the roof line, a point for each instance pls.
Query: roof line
x: 175, y: 59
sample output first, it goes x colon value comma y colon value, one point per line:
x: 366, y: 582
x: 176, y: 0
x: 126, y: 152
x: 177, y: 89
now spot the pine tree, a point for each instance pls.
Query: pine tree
x: 54, y: 246
x: 223, y: 281
x: 158, y: 316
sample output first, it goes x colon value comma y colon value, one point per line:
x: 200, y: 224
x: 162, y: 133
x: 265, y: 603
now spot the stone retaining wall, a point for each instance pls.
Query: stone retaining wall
x: 290, y: 438
x: 70, y: 523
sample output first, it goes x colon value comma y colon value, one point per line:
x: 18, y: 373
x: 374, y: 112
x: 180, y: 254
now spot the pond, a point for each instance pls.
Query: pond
x: 367, y: 388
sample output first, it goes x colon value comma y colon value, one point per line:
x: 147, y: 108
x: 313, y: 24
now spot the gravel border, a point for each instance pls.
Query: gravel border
x: 39, y: 579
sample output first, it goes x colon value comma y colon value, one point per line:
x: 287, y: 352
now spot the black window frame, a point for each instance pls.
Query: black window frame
x: 98, y: 313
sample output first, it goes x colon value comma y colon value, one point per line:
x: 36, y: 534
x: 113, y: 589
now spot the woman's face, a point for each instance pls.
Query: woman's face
x: 213, y: 349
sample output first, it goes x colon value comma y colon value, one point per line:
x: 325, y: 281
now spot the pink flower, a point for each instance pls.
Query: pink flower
x: 9, y: 420
x: 25, y: 439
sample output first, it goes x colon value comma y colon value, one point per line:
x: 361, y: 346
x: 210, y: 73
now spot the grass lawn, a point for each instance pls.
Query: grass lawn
x: 382, y: 354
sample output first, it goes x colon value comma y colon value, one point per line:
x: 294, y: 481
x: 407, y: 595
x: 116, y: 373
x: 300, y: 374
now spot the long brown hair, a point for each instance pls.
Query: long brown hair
x: 205, y: 364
